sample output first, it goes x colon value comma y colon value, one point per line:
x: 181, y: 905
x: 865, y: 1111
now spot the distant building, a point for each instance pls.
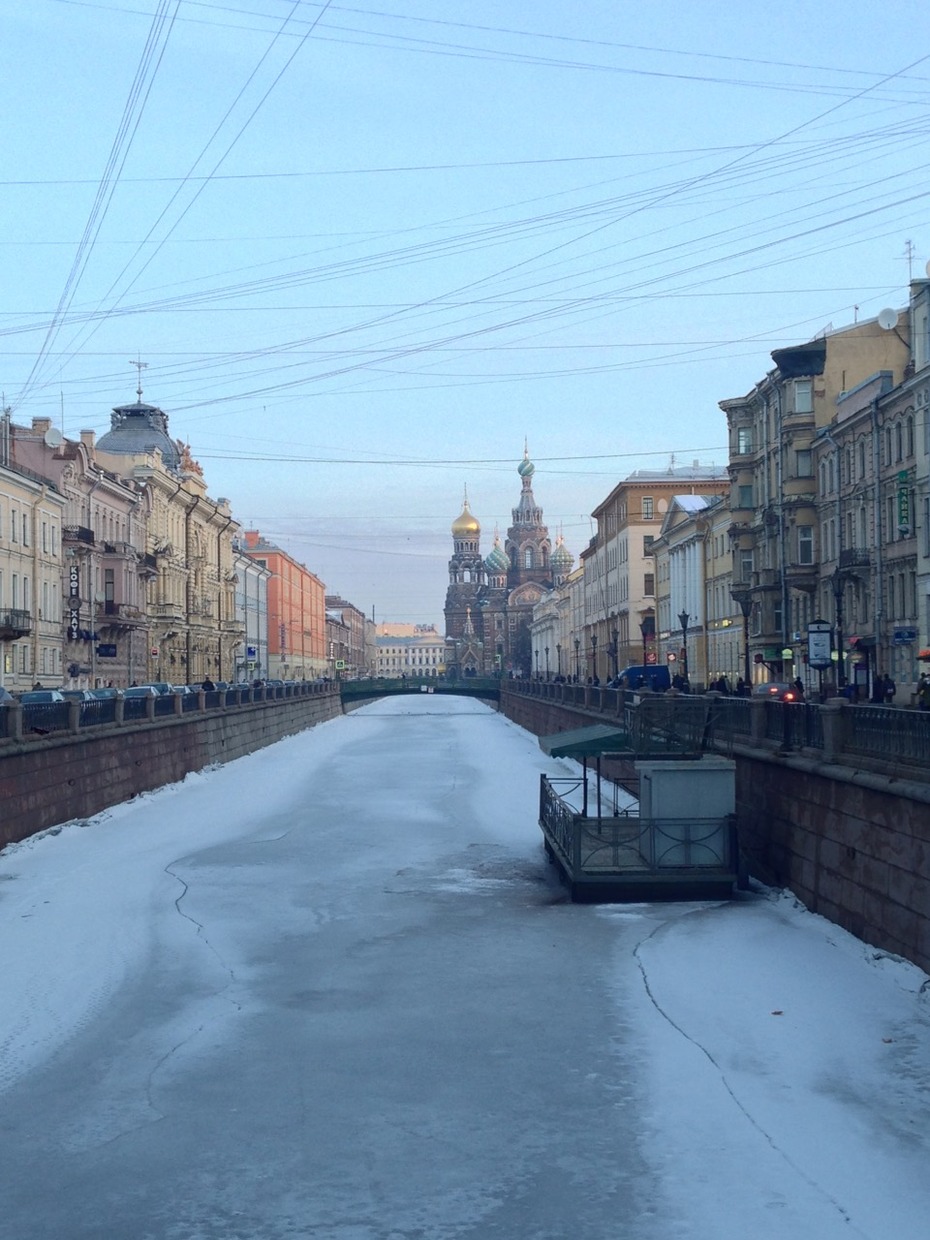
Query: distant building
x: 355, y: 638
x: 411, y: 650
x: 296, y: 612
x: 622, y: 628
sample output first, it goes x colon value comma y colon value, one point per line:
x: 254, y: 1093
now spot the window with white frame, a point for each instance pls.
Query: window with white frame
x: 803, y: 395
x: 648, y: 508
x: 805, y: 544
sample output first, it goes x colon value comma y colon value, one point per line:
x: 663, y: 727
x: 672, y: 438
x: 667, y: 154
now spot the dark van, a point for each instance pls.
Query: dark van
x: 652, y: 676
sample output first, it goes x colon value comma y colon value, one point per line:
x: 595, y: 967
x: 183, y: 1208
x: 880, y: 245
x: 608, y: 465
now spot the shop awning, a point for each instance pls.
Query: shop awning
x: 588, y: 742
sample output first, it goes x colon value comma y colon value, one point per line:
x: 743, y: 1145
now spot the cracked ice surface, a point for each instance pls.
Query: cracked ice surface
x: 333, y: 990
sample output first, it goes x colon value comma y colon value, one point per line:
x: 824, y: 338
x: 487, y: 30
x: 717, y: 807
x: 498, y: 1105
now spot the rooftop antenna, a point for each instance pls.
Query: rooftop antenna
x: 140, y: 366
x: 909, y: 255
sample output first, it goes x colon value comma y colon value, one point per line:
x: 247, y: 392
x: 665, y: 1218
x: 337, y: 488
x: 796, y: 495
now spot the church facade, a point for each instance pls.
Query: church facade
x: 490, y: 601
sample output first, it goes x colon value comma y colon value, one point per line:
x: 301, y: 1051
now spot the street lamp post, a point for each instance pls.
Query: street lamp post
x: 839, y: 583
x: 537, y: 663
x: 594, y: 656
x: 558, y: 660
x: 683, y: 619
x: 647, y: 626
x: 615, y: 651
x: 744, y: 600
x: 547, y: 662
x: 577, y: 659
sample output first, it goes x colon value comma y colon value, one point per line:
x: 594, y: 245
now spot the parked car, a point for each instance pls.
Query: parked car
x: 34, y: 697
x: 162, y: 686
x: 777, y: 690
x: 103, y: 695
x: 6, y: 696
x: 141, y: 691
x: 78, y: 695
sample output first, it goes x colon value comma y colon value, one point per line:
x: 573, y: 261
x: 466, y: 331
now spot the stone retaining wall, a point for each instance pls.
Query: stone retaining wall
x: 45, y: 782
x: 852, y: 845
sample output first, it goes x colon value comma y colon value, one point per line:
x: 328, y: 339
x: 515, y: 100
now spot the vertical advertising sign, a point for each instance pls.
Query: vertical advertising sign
x: 819, y: 644
x: 74, y: 602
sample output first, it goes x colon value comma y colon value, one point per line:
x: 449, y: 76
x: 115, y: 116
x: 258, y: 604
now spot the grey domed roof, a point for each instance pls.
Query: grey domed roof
x: 140, y: 428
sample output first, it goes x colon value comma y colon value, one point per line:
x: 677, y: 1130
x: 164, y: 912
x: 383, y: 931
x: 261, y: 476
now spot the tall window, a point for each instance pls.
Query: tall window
x: 805, y: 544
x: 744, y: 439
x: 648, y: 511
x: 745, y: 496
x: 803, y: 396
x: 804, y: 463
x: 649, y: 584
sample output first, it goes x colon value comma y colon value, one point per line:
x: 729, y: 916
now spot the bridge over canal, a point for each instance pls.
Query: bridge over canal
x: 354, y: 691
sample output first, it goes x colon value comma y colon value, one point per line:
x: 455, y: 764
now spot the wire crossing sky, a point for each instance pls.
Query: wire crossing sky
x: 366, y: 251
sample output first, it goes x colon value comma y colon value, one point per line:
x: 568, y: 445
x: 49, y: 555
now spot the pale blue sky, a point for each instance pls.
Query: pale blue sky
x: 365, y: 259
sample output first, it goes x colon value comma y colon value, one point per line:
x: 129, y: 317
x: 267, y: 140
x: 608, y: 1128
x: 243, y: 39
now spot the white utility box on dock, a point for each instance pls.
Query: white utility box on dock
x: 689, y: 803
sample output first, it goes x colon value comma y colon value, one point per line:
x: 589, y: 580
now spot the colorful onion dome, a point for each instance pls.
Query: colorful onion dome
x: 497, y: 562
x: 562, y: 559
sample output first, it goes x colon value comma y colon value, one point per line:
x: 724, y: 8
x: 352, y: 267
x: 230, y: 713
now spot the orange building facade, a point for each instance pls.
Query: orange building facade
x: 296, y: 613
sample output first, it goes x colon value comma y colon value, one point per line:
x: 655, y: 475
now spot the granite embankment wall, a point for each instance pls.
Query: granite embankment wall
x: 59, y: 778
x: 852, y: 845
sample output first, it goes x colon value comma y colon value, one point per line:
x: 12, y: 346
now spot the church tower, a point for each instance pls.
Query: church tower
x: 466, y: 572
x: 528, y: 546
x: 489, y: 603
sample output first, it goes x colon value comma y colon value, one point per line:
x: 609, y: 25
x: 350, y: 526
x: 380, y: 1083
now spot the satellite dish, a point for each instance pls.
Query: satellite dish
x: 53, y: 437
x: 887, y: 319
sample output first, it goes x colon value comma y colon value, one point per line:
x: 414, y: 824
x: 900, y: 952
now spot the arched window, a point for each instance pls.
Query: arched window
x: 528, y: 558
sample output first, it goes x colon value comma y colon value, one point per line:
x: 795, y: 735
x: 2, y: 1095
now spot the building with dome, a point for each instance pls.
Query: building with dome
x: 190, y: 608
x: 489, y: 601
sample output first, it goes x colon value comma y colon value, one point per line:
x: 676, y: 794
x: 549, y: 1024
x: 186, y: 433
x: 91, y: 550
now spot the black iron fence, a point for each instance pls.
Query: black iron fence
x: 31, y: 720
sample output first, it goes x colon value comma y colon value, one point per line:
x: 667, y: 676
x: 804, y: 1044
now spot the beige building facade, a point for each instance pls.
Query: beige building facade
x: 32, y: 514
x: 776, y: 510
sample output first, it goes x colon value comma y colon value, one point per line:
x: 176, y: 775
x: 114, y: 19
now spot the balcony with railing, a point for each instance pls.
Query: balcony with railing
x: 77, y: 534
x: 14, y: 623
x: 119, y: 615
x: 855, y: 557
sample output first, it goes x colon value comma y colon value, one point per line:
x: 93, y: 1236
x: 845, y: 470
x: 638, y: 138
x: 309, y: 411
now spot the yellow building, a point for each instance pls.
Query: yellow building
x: 31, y: 518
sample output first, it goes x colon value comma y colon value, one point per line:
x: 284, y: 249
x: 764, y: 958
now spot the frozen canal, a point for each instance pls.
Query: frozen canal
x: 333, y: 990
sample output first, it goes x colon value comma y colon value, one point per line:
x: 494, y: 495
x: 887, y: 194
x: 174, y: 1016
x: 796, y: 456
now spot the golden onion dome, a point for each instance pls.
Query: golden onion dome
x: 466, y: 523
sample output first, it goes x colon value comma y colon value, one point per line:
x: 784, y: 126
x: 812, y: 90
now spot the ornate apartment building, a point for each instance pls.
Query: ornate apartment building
x: 777, y: 433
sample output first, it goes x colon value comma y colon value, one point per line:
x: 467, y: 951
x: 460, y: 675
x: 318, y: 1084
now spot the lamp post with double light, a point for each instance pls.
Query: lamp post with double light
x: 577, y: 659
x: 743, y: 600
x: 558, y: 660
x: 683, y: 619
x: 594, y: 657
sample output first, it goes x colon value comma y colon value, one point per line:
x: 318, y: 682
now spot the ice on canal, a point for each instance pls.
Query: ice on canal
x: 334, y: 990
